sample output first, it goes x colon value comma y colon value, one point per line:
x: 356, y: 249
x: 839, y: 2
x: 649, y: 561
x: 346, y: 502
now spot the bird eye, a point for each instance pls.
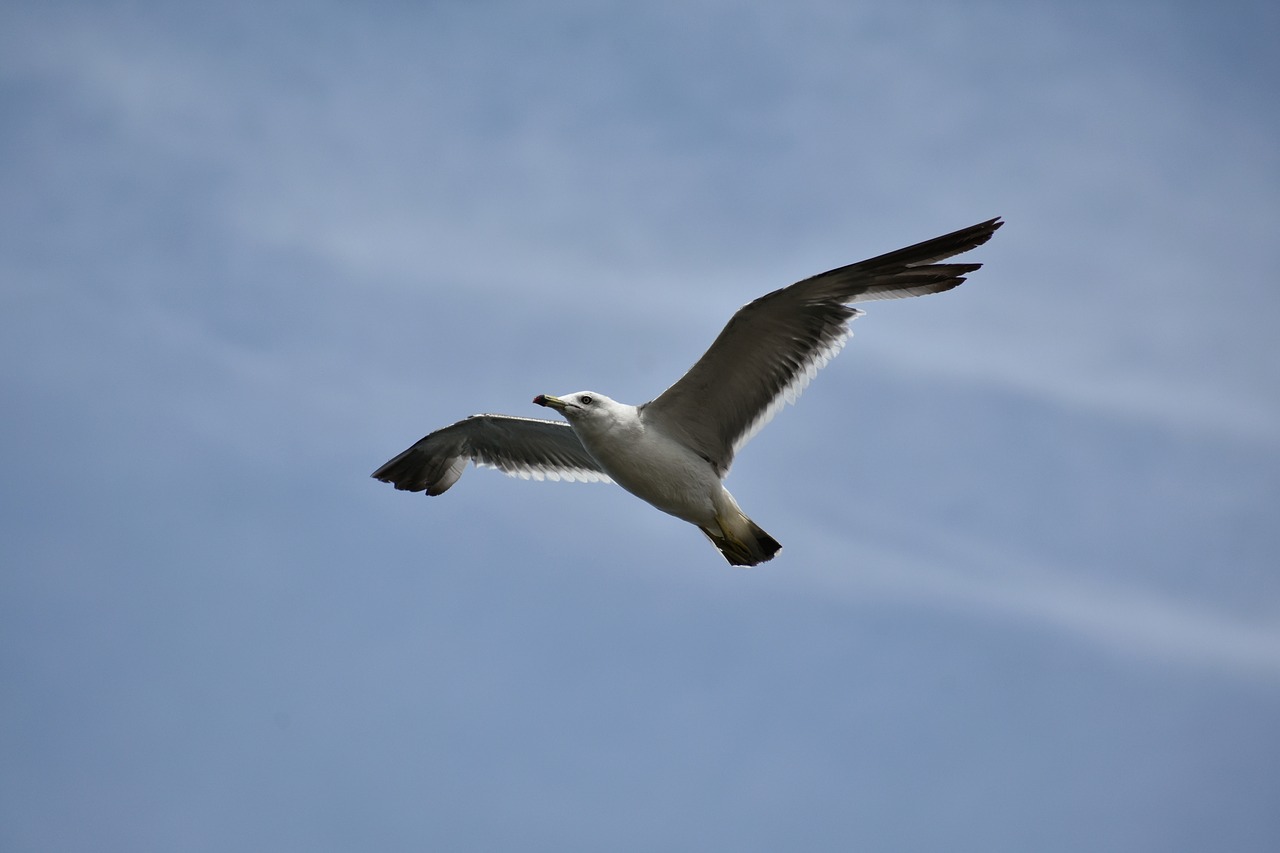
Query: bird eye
x: 586, y: 399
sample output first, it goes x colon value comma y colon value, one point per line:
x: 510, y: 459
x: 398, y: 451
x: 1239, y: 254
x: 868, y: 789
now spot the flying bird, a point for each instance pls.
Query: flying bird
x: 675, y: 450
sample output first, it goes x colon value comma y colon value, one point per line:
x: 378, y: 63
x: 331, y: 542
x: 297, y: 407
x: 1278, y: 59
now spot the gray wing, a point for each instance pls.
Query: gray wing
x: 528, y: 448
x: 774, y: 346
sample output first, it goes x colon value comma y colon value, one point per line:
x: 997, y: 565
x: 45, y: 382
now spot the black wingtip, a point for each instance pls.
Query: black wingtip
x: 973, y: 236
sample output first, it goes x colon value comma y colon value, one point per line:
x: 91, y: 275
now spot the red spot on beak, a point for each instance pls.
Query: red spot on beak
x: 541, y: 399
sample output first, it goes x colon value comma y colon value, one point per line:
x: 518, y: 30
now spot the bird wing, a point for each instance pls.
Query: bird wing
x: 528, y: 448
x: 772, y: 347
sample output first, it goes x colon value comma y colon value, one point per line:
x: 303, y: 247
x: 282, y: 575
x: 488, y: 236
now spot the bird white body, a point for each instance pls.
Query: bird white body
x: 637, y: 454
x: 640, y: 458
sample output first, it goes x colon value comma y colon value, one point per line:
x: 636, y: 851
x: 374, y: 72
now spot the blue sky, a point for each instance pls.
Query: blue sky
x: 1028, y: 596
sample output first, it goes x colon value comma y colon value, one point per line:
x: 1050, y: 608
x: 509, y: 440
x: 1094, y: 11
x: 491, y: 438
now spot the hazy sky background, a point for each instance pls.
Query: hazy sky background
x: 1028, y: 597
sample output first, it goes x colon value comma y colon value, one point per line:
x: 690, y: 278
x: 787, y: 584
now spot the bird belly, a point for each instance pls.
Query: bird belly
x: 662, y: 473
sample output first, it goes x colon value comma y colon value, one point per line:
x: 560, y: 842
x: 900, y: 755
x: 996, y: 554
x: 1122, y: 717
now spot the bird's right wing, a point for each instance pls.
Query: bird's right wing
x: 528, y: 448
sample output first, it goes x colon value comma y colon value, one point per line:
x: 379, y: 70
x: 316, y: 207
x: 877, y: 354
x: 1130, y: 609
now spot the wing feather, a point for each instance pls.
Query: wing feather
x: 773, y: 347
x: 528, y: 448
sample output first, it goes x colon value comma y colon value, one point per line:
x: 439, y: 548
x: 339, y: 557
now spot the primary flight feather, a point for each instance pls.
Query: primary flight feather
x: 675, y: 450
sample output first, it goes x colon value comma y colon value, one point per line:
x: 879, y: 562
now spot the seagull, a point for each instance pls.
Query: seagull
x: 674, y: 451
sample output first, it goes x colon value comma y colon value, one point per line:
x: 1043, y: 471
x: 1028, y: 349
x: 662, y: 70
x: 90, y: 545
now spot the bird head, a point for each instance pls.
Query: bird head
x: 582, y: 407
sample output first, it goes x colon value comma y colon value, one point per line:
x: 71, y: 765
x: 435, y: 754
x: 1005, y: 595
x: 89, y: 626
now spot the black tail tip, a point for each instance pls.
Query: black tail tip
x: 760, y: 548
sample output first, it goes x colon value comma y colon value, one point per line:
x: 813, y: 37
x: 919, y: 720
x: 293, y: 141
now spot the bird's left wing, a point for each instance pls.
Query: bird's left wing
x: 773, y: 347
x: 528, y: 448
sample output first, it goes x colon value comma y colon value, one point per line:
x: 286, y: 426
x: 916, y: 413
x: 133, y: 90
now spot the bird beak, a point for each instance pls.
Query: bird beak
x: 550, y: 402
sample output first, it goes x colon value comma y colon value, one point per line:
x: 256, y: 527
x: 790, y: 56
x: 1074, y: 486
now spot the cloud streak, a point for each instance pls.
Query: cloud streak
x: 1126, y: 621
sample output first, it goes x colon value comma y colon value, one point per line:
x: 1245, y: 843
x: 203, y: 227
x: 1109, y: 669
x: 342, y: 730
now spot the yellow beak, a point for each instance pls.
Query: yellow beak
x: 550, y: 402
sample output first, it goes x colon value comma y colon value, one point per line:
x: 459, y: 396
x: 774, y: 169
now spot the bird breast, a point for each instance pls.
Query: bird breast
x: 656, y: 469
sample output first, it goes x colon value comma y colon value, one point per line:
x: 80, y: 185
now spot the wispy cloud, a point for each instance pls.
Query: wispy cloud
x: 1120, y: 618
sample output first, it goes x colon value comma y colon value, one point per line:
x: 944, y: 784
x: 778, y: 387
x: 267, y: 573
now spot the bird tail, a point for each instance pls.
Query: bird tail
x: 742, y: 543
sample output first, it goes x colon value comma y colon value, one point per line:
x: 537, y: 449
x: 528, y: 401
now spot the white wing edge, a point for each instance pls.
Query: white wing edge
x: 572, y: 475
x: 793, y: 389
